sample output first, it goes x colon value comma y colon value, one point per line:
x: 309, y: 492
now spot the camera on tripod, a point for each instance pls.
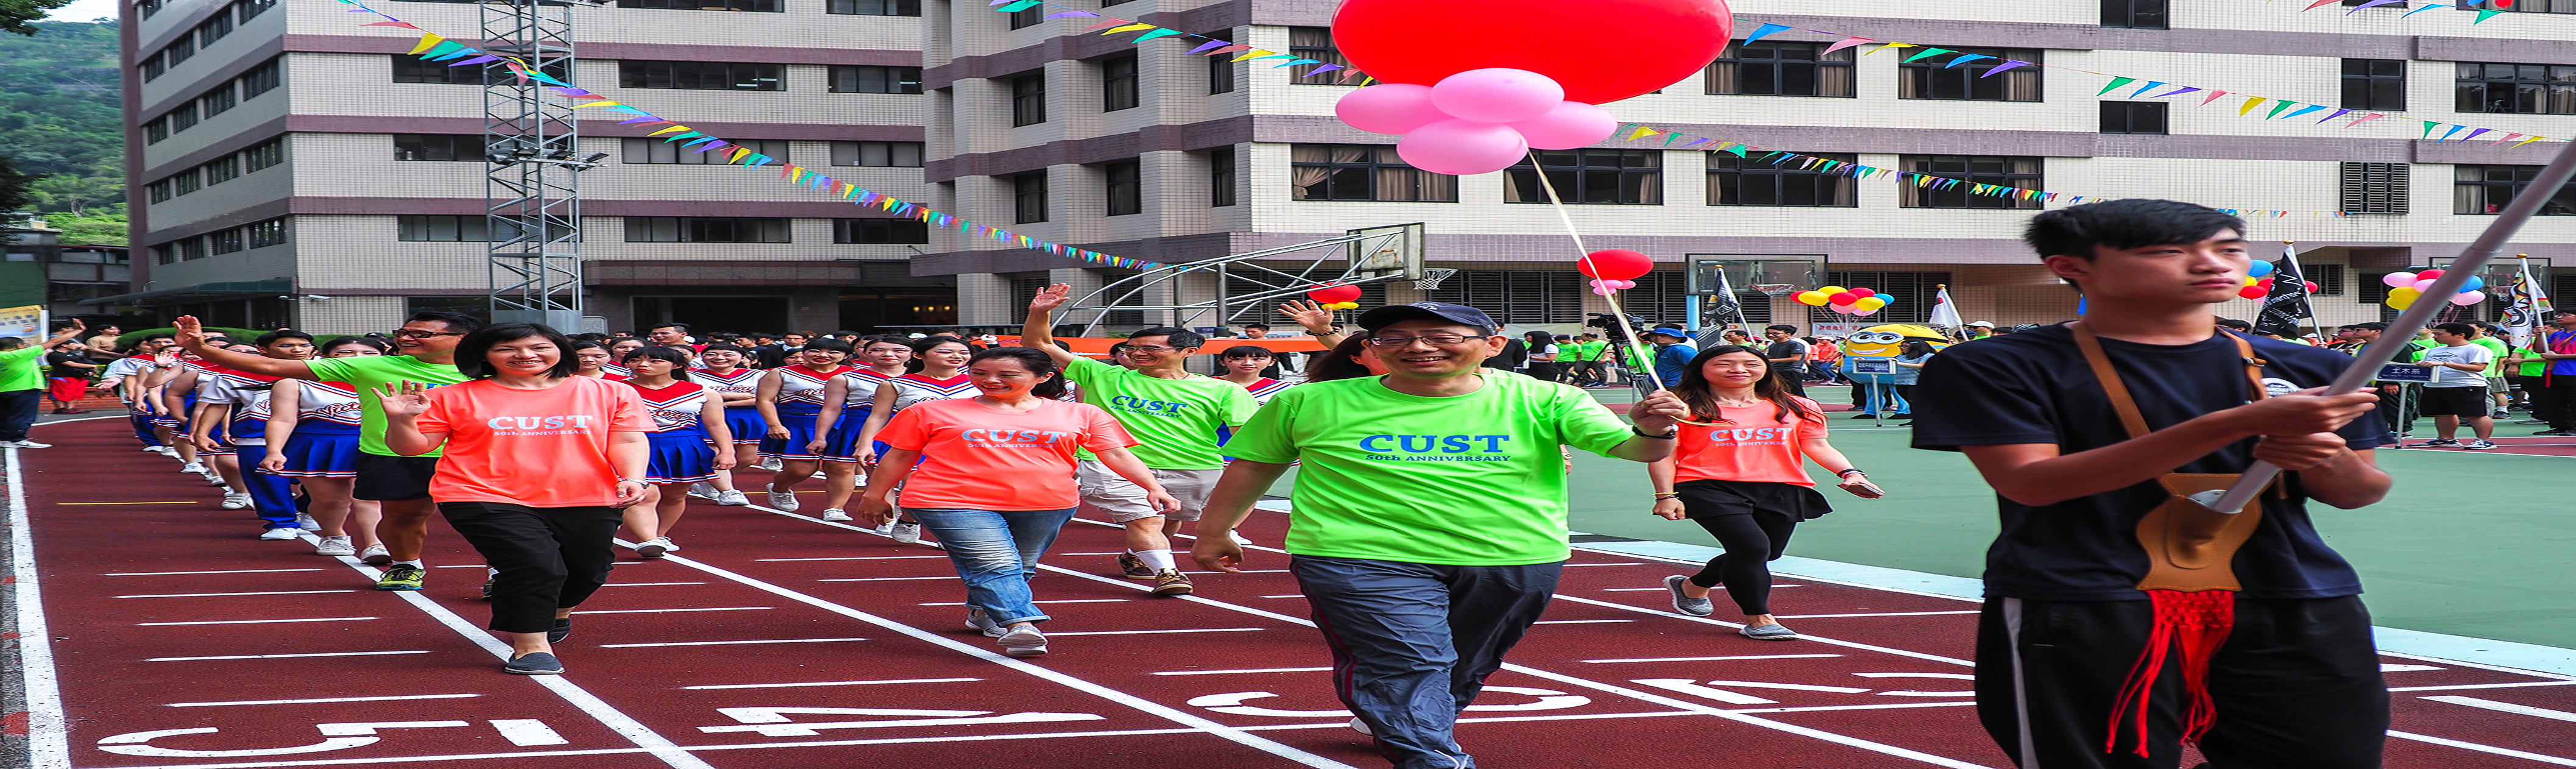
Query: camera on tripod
x: 1602, y: 320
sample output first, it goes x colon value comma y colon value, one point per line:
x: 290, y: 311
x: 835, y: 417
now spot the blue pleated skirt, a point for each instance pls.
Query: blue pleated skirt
x: 322, y: 449
x: 680, y: 456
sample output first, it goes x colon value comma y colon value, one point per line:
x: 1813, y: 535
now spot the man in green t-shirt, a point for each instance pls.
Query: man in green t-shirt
x: 425, y: 352
x: 1429, y: 522
x: 1174, y: 416
x: 2498, y: 389
x: 22, y: 385
x: 1591, y: 360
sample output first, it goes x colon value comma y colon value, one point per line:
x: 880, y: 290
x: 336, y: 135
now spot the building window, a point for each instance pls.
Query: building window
x: 225, y: 242
x: 2538, y: 89
x: 888, y: 154
x: 259, y: 80
x: 179, y: 50
x: 2022, y: 172
x: 164, y: 254
x: 2488, y: 189
x: 191, y: 249
x: 879, y: 231
x: 875, y: 7
x: 1610, y: 177
x: 1221, y: 177
x: 157, y: 130
x: 1027, y: 17
x: 185, y: 182
x: 458, y: 147
x: 1740, y: 181
x: 2133, y: 117
x: 146, y: 8
x: 265, y: 234
x: 441, y: 228
x: 855, y: 79
x: 1773, y: 68
x: 1029, y: 198
x: 214, y: 28
x: 183, y: 118
x: 1517, y: 296
x: 701, y: 75
x: 408, y: 69
x: 705, y: 229
x: 249, y: 9
x: 1933, y: 78
x: 217, y: 101
x: 152, y: 67
x: 2328, y: 277
x: 2521, y: 6
x: 160, y: 191
x: 650, y: 150
x: 770, y: 6
x: 1220, y: 70
x: 2134, y: 14
x: 2375, y: 188
x: 1118, y: 83
x: 1028, y: 99
x: 1316, y: 43
x: 2375, y: 84
x: 264, y: 154
x: 1124, y: 186
x: 223, y: 169
x: 1362, y: 172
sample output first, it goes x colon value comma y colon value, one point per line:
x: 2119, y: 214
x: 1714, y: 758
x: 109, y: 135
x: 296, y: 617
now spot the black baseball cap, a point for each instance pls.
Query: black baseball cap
x: 1455, y: 313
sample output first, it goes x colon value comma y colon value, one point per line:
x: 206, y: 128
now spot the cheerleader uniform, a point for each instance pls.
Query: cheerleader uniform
x: 841, y: 444
x: 800, y: 400
x: 208, y: 377
x: 680, y: 452
x: 273, y: 496
x: 325, y: 443
x: 180, y: 423
x: 744, y: 419
x: 1264, y: 389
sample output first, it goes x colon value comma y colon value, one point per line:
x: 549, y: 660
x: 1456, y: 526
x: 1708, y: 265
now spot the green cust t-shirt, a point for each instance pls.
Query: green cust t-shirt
x: 1588, y: 351
x: 382, y: 372
x: 1470, y: 480
x: 1173, y: 420
x: 22, y: 369
x: 2495, y: 367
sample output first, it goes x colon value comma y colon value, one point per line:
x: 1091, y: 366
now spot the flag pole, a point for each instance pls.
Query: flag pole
x: 2307, y: 299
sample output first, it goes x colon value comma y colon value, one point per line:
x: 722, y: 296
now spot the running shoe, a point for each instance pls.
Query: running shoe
x: 193, y: 467
x: 836, y: 515
x: 234, y: 501
x: 534, y: 664
x: 1239, y: 539
x: 1696, y: 607
x: 303, y: 521
x: 335, y: 546
x: 1132, y: 567
x: 669, y: 546
x: 561, y: 631
x: 651, y: 548
x: 217, y: 479
x: 376, y: 555
x: 732, y: 498
x: 163, y: 451
x: 1022, y: 640
x: 2478, y: 445
x: 907, y: 532
x: 783, y: 500
x: 153, y: 449
x: 489, y: 580
x: 978, y: 622
x: 769, y: 463
x: 281, y: 534
x: 702, y: 490
x: 2438, y: 442
x: 2531, y: 421
x: 1171, y: 582
x: 2502, y: 413
x: 25, y: 444
x: 1770, y: 632
x: 401, y: 577
x: 1360, y: 726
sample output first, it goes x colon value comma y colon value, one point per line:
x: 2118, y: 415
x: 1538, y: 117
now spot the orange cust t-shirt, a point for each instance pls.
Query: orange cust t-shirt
x: 978, y: 457
x: 540, y: 448
x: 1757, y: 447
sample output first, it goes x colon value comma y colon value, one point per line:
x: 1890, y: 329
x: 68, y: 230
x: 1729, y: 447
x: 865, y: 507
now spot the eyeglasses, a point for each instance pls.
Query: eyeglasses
x: 1148, y: 348
x: 1435, y: 340
x: 408, y: 334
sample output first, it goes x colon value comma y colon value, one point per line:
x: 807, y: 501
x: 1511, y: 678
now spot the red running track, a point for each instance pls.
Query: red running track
x: 775, y: 641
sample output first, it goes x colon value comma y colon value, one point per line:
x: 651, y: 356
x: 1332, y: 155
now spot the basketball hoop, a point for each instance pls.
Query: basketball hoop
x: 1431, y: 278
x: 1775, y: 289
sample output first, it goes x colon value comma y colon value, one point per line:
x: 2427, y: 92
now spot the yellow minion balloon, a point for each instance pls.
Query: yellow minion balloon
x: 1889, y: 340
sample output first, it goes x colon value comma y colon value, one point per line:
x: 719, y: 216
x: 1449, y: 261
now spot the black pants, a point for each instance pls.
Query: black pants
x: 2553, y: 398
x: 1751, y: 542
x: 1905, y: 393
x: 2296, y: 685
x: 1412, y: 643
x: 550, y: 557
x: 18, y: 412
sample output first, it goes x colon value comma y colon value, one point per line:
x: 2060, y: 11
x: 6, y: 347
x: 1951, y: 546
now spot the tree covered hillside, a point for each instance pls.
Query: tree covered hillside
x: 60, y: 97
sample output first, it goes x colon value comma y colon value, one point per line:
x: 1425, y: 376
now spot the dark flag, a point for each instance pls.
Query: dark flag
x: 2287, y: 306
x: 1722, y: 307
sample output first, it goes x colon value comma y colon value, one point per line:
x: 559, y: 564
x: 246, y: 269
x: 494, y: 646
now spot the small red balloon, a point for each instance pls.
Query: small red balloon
x: 2312, y: 287
x: 1863, y: 293
x: 1640, y: 46
x: 2253, y: 292
x: 1843, y: 297
x: 1615, y: 264
x: 1334, y: 294
x: 2266, y: 283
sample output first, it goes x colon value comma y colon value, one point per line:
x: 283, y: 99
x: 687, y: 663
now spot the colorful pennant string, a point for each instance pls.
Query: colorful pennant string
x: 2502, y: 6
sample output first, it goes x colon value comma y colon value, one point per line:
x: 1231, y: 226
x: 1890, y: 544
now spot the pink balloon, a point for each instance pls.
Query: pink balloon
x: 2421, y: 285
x: 1568, y: 125
x: 1497, y: 95
x: 2394, y: 279
x: 2466, y: 298
x: 1602, y: 290
x: 1864, y: 313
x: 1389, y: 108
x: 1462, y: 147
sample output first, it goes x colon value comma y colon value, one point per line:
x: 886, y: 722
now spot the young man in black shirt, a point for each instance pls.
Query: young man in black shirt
x: 1788, y: 356
x: 2123, y: 619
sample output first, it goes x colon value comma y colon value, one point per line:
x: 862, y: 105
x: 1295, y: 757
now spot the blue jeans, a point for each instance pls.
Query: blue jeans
x: 996, y: 552
x: 1412, y: 643
x: 272, y: 495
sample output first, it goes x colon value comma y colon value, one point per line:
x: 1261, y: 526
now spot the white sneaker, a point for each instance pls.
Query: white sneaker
x: 670, y: 546
x: 702, y: 490
x: 335, y: 546
x: 886, y: 528
x: 281, y: 535
x: 193, y: 467
x: 306, y: 522
x: 155, y: 449
x: 732, y: 498
x: 835, y: 515
x: 1239, y: 538
x: 783, y: 500
x: 164, y: 451
x: 376, y: 555
x: 237, y: 502
x: 25, y: 444
x: 1023, y: 640
x: 769, y: 464
x: 907, y: 532
x: 1360, y: 726
x: 652, y: 548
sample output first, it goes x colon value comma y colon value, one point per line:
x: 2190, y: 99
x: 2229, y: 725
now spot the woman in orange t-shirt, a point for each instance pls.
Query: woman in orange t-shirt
x: 992, y: 477
x: 538, y: 462
x: 1740, y: 473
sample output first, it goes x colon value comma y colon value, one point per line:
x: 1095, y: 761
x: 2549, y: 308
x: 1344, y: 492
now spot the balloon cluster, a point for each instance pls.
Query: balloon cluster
x: 1858, y: 302
x: 2405, y: 287
x: 1336, y: 296
x: 2258, y: 282
x: 1476, y: 121
x: 1613, y: 269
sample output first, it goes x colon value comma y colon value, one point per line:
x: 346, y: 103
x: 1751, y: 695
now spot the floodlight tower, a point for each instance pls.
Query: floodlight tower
x: 532, y: 175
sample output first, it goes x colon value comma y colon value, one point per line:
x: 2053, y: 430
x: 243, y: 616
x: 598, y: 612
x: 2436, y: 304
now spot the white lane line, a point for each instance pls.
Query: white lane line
x: 1821, y: 708
x: 1122, y: 552
x: 731, y: 643
x: 1803, y: 636
x: 527, y: 731
x: 2482, y: 748
x: 629, y: 751
x: 648, y: 584
x: 214, y: 595
x: 1290, y: 595
x: 882, y: 579
x: 2507, y: 707
x: 1716, y: 659
x: 324, y: 699
x: 1790, y: 687
x: 1494, y: 719
x: 1247, y: 670
x: 225, y: 571
x: 1067, y: 600
x: 254, y: 621
x: 1579, y: 621
x: 1656, y: 589
x: 1572, y: 565
x: 1159, y: 632
x: 673, y: 611
x: 2456, y: 687
x: 280, y: 656
x: 860, y: 558
x: 48, y: 741
x: 2385, y: 667
x: 835, y: 683
x: 1875, y: 614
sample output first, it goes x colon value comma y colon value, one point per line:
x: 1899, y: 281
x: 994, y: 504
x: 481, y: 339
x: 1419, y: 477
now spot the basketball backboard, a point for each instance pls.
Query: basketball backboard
x: 1751, y: 272
x: 1389, y: 250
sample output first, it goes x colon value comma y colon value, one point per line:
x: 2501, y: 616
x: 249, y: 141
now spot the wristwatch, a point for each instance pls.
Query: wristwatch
x: 1677, y: 431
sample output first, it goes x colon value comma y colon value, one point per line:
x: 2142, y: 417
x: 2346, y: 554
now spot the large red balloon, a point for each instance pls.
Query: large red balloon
x: 1615, y: 264
x: 1335, y: 294
x: 1600, y: 50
